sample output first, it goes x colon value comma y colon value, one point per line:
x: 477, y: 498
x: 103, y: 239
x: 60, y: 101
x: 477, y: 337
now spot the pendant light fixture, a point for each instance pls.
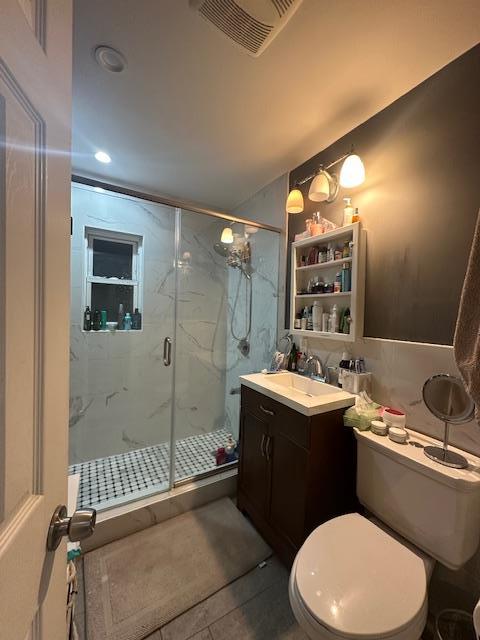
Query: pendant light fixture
x: 294, y: 201
x: 352, y: 173
x: 227, y: 236
x: 324, y: 187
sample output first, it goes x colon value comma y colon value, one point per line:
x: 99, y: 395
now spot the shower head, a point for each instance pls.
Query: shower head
x: 221, y: 249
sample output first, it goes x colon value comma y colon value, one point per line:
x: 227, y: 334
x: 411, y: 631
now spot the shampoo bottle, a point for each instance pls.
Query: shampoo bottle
x: 348, y: 211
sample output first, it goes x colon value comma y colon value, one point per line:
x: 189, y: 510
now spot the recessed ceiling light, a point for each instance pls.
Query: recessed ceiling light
x: 101, y: 156
x: 109, y: 59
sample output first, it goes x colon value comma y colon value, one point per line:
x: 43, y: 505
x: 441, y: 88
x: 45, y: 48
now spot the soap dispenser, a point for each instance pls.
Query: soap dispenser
x: 348, y: 211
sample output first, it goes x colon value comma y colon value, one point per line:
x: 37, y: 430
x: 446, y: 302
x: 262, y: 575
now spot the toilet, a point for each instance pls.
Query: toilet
x: 367, y: 578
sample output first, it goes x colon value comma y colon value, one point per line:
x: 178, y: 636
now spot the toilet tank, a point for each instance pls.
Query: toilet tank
x: 435, y: 507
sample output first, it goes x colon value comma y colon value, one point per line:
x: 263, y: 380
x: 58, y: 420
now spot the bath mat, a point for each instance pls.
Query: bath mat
x: 139, y: 583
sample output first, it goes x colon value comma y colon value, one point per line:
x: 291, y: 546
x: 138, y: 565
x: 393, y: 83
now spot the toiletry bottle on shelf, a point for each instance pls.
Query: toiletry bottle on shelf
x: 337, y: 285
x: 346, y: 249
x: 356, y: 216
x: 120, y: 317
x: 303, y: 324
x: 127, y: 322
x: 325, y: 320
x: 137, y: 320
x: 347, y: 320
x: 317, y: 312
x: 87, y: 320
x: 310, y: 319
x: 334, y: 320
x: 347, y: 211
x: 346, y: 277
x: 97, y: 320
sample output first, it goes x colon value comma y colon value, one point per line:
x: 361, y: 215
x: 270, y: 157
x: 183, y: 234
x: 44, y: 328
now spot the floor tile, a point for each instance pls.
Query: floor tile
x: 267, y: 616
x: 106, y: 482
x: 225, y: 601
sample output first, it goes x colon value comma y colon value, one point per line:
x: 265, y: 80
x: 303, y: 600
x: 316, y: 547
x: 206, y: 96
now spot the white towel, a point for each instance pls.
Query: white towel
x: 466, y: 342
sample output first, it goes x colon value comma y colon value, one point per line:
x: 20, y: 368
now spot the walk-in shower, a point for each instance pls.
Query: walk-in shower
x: 151, y: 401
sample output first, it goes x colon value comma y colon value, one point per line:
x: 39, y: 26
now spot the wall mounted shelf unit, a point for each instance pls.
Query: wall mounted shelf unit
x: 326, y: 271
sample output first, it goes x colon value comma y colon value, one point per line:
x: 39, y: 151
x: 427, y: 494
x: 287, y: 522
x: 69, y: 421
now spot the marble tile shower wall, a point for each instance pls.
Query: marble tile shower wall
x: 121, y: 392
x: 265, y: 247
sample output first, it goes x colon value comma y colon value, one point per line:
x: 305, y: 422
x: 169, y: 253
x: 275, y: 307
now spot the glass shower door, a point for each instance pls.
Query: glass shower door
x: 226, y: 325
x: 121, y: 381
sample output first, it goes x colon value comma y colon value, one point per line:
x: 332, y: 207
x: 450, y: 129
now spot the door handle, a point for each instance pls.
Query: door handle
x: 167, y: 352
x: 262, y: 445
x: 268, y: 411
x: 78, y: 527
x: 268, y: 452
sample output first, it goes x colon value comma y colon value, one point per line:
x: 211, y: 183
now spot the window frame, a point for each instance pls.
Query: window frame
x: 110, y: 235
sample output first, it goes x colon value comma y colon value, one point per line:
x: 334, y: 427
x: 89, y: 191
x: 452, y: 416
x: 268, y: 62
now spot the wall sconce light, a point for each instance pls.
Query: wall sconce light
x: 352, y: 173
x: 325, y: 185
x: 294, y: 201
x: 227, y: 236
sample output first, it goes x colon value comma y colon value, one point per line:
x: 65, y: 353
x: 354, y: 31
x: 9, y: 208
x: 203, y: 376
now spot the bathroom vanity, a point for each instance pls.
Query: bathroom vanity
x: 297, y: 460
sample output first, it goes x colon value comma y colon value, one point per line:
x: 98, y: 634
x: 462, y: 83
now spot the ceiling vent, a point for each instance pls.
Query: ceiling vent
x: 250, y: 24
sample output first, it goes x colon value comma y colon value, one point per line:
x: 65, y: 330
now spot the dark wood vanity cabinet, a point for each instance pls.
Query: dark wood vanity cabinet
x: 295, y: 471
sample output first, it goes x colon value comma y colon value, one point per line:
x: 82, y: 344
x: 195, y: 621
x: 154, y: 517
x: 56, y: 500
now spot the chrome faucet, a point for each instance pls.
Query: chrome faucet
x: 314, y: 368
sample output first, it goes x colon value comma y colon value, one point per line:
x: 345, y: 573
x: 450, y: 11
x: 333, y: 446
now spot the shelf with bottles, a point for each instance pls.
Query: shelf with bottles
x: 336, y: 286
x: 324, y: 265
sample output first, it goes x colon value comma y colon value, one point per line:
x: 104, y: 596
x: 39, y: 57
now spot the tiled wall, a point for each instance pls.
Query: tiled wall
x: 265, y: 255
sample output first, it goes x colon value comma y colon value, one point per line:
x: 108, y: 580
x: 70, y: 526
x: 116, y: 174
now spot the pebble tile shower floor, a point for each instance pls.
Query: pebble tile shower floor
x: 107, y: 482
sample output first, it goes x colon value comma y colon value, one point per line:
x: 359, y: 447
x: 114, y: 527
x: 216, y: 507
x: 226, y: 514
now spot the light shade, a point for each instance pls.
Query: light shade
x: 320, y: 188
x: 227, y: 236
x: 295, y: 201
x: 352, y: 173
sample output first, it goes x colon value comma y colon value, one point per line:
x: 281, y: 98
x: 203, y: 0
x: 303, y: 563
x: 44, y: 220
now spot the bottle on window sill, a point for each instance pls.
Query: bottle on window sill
x: 97, y: 320
x: 137, y: 320
x: 127, y: 322
x: 120, y: 317
x: 87, y: 319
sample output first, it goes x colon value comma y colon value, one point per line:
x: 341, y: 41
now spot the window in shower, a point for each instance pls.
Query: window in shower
x: 113, y: 271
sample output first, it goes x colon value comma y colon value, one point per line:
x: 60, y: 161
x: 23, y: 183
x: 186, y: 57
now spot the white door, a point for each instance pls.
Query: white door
x: 35, y: 105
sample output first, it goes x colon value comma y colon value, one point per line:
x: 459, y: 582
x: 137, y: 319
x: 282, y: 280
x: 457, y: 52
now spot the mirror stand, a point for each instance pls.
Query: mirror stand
x: 444, y: 456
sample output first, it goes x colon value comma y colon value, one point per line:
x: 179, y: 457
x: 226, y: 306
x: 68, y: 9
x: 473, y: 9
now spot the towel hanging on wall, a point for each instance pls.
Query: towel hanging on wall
x: 466, y: 342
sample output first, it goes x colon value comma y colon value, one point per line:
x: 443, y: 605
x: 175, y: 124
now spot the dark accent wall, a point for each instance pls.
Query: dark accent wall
x: 419, y: 202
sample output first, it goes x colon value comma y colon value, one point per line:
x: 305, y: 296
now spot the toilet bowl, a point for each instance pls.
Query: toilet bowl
x: 352, y: 579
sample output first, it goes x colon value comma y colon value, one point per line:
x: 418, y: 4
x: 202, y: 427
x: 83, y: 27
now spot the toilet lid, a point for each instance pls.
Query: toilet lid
x: 358, y: 581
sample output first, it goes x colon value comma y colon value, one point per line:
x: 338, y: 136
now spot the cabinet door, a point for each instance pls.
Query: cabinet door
x: 254, y: 471
x: 289, y: 475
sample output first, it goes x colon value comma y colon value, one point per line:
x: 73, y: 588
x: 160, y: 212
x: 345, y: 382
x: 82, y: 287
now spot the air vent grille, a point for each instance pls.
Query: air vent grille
x: 251, y: 24
x: 236, y: 23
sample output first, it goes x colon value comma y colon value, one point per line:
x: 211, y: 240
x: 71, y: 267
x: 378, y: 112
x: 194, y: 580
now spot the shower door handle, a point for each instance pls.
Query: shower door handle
x: 167, y: 352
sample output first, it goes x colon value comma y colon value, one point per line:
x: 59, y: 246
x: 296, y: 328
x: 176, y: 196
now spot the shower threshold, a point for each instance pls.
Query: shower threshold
x: 114, y: 480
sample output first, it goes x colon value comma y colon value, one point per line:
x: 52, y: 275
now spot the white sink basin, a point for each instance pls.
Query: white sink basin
x: 298, y: 392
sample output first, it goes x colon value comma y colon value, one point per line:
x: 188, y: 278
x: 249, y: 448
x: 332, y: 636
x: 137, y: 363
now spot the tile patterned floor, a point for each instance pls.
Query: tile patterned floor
x: 107, y: 482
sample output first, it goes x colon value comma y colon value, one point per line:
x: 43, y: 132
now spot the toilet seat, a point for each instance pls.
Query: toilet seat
x: 351, y: 579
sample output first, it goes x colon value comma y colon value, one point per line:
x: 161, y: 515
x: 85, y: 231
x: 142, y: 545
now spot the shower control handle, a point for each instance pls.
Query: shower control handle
x: 167, y: 351
x: 77, y: 527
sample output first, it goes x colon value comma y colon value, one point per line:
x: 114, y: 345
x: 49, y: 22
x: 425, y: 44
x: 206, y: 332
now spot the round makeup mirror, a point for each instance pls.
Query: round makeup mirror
x: 446, y: 397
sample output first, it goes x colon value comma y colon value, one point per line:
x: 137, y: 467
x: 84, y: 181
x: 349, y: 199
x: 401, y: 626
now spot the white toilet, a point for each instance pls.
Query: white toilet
x: 356, y: 578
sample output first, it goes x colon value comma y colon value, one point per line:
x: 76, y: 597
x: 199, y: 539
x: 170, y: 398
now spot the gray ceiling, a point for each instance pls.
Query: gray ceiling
x: 195, y: 118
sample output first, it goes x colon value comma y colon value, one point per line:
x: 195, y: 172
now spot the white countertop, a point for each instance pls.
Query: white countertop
x: 309, y: 397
